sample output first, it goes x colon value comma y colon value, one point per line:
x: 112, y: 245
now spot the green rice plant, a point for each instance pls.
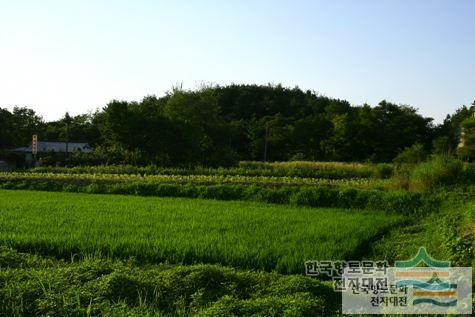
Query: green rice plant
x: 240, y: 234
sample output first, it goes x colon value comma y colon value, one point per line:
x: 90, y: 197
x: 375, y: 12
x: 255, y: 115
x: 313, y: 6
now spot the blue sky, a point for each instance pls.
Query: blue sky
x: 75, y: 56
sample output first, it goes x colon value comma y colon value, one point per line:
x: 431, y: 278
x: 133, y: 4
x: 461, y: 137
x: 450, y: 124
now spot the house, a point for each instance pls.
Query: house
x: 53, y: 147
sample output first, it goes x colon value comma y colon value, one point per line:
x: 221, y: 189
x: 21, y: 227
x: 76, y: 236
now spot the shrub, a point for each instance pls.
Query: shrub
x: 383, y: 171
x: 348, y: 197
x: 441, y: 145
x: 440, y: 171
x: 412, y: 155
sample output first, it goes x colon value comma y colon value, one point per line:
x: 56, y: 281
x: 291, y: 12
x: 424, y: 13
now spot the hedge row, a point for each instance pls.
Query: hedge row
x: 390, y: 201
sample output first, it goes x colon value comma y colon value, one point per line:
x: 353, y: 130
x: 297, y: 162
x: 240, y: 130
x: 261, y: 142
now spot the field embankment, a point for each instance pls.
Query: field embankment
x: 38, y: 286
x: 344, y: 193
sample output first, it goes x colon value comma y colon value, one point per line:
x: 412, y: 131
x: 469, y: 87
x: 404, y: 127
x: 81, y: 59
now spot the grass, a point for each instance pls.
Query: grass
x: 447, y: 234
x: 239, y: 234
x: 116, y: 255
x: 37, y: 286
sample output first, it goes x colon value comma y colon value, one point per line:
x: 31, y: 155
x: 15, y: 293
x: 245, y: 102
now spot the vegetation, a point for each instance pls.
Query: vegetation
x: 64, y: 250
x: 185, y: 231
x: 37, y: 286
x: 467, y: 146
x: 399, y: 201
x: 412, y: 155
x: 192, y: 179
x: 219, y: 126
x: 327, y: 170
x: 438, y: 172
x: 448, y: 233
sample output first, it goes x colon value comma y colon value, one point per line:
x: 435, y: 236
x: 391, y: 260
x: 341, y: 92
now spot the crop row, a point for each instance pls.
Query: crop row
x: 193, y: 179
x: 328, y: 170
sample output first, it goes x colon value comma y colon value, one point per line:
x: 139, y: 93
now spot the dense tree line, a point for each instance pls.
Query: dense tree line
x: 221, y: 125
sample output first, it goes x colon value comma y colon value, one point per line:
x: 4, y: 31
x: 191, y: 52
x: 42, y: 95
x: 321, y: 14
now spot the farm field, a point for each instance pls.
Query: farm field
x: 357, y: 193
x: 239, y: 234
x: 142, y: 241
x: 237, y: 159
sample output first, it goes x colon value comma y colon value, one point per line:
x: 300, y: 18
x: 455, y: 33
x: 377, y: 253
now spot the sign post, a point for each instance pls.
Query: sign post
x: 34, y: 145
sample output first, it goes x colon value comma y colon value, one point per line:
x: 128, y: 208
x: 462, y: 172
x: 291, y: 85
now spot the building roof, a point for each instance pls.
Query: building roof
x: 56, y: 147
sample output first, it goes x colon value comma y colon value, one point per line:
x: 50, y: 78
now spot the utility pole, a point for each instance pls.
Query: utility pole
x: 265, y: 142
x: 67, y: 120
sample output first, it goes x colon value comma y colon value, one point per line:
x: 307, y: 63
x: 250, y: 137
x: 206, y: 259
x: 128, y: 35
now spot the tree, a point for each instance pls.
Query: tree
x: 467, y: 143
x: 18, y: 126
x: 452, y: 126
x: 216, y: 126
x: 441, y: 145
x: 6, y: 130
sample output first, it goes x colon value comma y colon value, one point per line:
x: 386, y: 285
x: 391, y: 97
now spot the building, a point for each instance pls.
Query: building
x: 53, y: 147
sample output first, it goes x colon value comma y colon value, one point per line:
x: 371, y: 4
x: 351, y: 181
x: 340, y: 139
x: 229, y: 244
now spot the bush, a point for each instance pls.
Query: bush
x: 383, y: 171
x: 441, y: 145
x: 440, y: 171
x: 412, y: 155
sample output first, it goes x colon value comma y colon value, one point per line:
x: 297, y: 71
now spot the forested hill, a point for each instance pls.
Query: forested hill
x: 220, y: 125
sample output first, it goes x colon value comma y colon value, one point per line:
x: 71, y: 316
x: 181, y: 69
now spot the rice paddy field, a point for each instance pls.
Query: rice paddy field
x: 177, y: 230
x: 147, y: 241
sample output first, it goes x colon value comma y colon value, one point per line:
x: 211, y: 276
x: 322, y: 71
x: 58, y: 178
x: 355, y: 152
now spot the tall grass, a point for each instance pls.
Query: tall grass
x: 447, y: 234
x: 307, y: 165
x: 441, y: 171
